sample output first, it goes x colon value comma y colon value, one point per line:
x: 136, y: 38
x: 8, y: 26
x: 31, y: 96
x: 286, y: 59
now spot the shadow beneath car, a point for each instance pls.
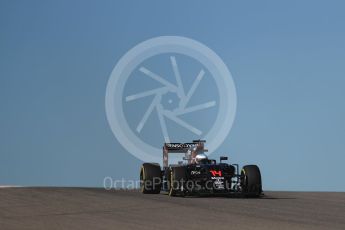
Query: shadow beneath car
x: 268, y: 197
x: 233, y: 196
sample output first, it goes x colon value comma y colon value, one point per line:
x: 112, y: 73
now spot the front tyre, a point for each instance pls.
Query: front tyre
x: 150, y: 178
x: 251, y: 181
x: 176, y: 180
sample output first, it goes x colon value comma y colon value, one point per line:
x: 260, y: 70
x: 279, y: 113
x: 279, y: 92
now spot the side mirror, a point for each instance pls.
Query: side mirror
x: 223, y: 159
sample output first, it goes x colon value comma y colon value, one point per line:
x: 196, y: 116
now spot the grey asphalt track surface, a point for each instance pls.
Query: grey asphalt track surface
x: 91, y: 208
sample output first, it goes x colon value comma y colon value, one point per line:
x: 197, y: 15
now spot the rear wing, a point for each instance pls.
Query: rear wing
x: 190, y: 150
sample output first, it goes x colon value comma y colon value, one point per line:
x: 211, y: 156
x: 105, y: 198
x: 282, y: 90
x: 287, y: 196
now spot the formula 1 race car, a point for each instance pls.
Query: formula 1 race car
x: 198, y: 175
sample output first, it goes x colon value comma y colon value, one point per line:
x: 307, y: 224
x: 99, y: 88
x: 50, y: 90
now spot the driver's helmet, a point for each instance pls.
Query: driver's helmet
x: 201, y: 157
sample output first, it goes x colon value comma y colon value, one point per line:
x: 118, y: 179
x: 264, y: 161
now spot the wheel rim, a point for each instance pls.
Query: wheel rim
x: 142, y: 188
x: 244, y: 181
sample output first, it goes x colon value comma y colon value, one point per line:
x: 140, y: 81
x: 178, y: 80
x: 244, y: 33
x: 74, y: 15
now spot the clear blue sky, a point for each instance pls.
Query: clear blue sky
x: 287, y: 59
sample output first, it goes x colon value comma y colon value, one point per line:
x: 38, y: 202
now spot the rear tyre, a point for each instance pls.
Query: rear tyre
x: 177, y: 179
x: 251, y: 181
x: 150, y: 178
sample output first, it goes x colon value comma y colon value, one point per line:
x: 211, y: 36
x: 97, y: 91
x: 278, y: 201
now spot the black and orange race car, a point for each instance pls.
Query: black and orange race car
x: 197, y: 174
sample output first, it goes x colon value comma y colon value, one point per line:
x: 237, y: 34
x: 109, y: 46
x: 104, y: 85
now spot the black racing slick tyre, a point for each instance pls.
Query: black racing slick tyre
x: 251, y: 181
x: 150, y: 178
x: 177, y: 178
